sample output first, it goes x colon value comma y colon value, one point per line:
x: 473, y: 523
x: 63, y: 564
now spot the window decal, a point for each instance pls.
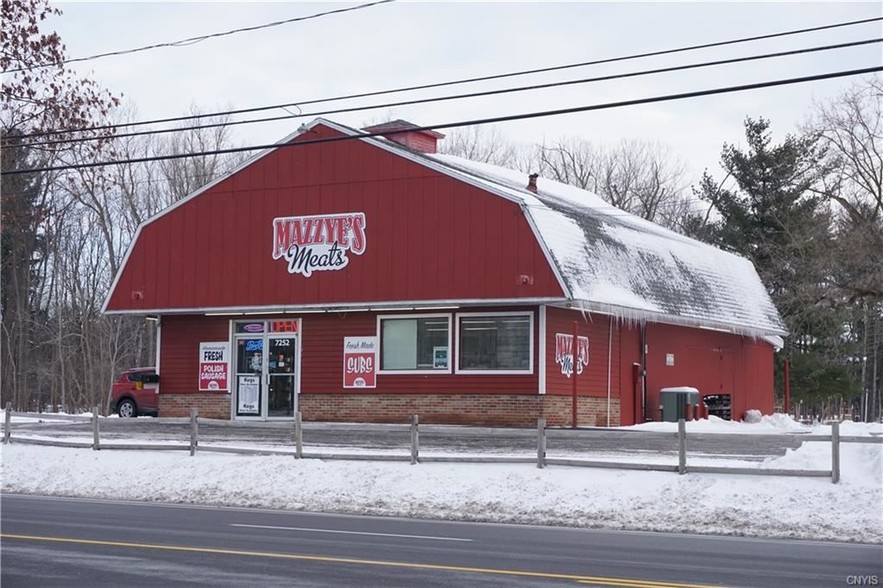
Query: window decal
x: 360, y: 362
x: 564, y: 353
x: 213, y: 361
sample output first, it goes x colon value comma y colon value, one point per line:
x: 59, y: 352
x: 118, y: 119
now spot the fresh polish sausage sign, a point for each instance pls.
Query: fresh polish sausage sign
x: 360, y: 362
x: 318, y: 243
x: 213, y: 362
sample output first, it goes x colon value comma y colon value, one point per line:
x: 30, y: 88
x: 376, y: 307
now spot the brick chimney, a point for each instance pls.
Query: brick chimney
x: 532, y: 182
x: 401, y: 132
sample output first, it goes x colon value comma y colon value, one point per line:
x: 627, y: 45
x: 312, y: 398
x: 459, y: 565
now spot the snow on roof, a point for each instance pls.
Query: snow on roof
x: 614, y: 262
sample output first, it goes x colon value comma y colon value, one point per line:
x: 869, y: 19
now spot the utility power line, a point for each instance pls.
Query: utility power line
x: 465, y: 80
x: 475, y: 122
x: 203, y: 179
x: 194, y: 40
x: 468, y: 95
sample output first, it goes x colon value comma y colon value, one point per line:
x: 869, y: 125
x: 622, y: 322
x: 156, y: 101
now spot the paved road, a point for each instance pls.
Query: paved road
x: 49, y: 542
x: 432, y: 437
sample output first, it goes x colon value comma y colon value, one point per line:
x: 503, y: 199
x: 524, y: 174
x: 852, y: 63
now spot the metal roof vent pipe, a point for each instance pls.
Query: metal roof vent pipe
x: 532, y: 182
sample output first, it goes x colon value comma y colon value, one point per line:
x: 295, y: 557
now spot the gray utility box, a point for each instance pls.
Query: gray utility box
x: 672, y: 402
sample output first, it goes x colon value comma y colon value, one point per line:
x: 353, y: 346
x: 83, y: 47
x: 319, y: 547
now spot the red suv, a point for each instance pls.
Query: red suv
x: 136, y: 393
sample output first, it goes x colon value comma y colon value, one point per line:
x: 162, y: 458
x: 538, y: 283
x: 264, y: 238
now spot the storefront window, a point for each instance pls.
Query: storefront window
x: 419, y: 343
x: 495, y: 343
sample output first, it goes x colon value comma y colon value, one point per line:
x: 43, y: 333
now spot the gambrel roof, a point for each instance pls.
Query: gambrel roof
x: 614, y: 262
x: 605, y: 260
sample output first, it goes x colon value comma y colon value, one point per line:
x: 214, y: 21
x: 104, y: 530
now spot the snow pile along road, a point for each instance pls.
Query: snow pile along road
x: 811, y: 508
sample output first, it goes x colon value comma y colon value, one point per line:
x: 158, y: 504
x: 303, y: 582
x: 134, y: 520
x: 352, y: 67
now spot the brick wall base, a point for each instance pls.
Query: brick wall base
x: 452, y: 409
x: 458, y: 409
x: 208, y: 405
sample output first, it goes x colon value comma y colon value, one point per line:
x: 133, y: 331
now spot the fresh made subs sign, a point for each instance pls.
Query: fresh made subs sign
x: 360, y: 362
x: 321, y: 242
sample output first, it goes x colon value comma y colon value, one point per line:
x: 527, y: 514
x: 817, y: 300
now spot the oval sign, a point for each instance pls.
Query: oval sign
x: 253, y: 328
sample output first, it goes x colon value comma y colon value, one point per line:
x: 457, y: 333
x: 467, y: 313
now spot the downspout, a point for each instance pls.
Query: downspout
x: 158, y: 342
x: 644, y: 372
x: 574, y: 350
x: 609, y: 367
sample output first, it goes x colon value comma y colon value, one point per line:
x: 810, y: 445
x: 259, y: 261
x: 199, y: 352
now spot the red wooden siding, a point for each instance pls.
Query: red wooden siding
x: 429, y: 237
x: 321, y: 341
x: 712, y: 362
x: 322, y: 361
x: 593, y: 380
x: 179, y: 349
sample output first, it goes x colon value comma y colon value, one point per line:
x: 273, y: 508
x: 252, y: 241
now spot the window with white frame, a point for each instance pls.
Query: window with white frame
x: 495, y: 342
x: 415, y: 343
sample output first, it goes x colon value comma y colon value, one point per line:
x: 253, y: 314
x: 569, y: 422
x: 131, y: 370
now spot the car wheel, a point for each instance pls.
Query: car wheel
x: 127, y: 409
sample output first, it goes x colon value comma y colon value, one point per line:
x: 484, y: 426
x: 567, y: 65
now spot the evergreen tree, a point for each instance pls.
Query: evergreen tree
x: 21, y: 250
x: 773, y: 215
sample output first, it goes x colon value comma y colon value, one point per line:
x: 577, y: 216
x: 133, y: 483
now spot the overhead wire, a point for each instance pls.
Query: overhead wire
x: 475, y: 122
x: 194, y: 40
x: 516, y: 73
x: 203, y: 179
x: 468, y: 95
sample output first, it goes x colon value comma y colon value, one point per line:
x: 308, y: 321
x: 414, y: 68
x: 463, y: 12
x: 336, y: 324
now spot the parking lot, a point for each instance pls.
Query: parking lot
x: 455, y: 439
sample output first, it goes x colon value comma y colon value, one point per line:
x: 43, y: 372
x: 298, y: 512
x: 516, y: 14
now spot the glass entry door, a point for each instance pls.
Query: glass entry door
x: 266, y: 372
x: 280, y: 366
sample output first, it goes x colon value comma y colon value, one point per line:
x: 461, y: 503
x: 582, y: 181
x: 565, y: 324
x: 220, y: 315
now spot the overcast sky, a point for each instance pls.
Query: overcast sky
x: 407, y: 43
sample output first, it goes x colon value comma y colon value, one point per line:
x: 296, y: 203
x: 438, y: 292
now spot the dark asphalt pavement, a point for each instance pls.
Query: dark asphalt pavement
x: 49, y: 542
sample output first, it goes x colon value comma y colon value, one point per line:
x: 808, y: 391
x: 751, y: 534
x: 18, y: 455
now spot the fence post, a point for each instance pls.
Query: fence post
x: 298, y: 436
x: 835, y: 453
x: 95, y: 443
x: 682, y: 447
x: 415, y: 439
x: 194, y: 430
x: 541, y: 443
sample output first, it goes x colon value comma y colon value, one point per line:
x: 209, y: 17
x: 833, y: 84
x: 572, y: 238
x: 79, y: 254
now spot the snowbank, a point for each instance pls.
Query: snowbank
x: 775, y: 424
x: 810, y: 508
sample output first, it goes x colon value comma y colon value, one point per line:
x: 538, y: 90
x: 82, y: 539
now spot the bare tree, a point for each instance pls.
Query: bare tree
x: 39, y: 95
x: 183, y: 176
x: 485, y: 145
x: 571, y: 161
x: 851, y: 128
x: 640, y: 177
x: 643, y: 178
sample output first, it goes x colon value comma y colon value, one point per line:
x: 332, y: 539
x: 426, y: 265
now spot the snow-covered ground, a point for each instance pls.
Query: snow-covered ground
x: 767, y: 425
x: 811, y: 508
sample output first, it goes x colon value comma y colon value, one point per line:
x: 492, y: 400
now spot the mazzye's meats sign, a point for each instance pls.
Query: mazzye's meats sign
x: 318, y: 243
x: 564, y: 353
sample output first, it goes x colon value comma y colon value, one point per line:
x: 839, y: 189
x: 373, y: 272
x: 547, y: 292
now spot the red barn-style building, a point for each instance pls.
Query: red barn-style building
x: 367, y: 278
